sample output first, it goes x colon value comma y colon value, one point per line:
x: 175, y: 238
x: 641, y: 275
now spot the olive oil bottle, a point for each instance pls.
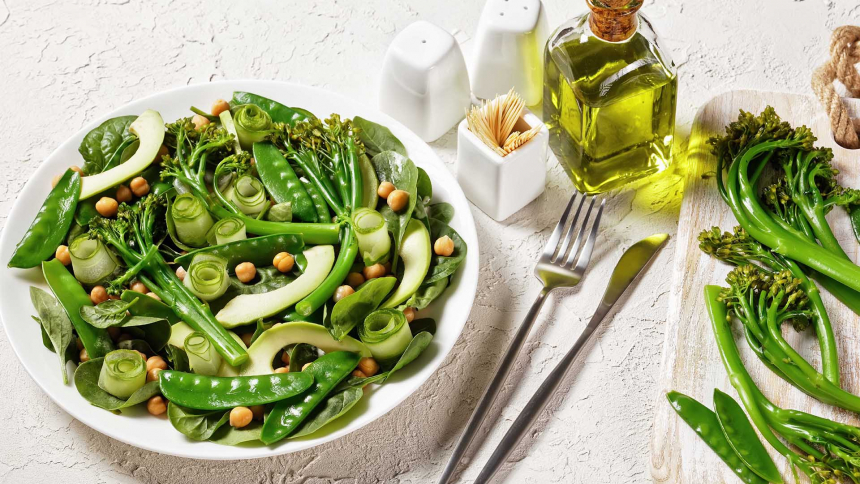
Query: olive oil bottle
x: 609, y: 97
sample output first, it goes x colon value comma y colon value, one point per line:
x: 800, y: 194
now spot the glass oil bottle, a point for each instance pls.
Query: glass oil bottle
x: 609, y: 97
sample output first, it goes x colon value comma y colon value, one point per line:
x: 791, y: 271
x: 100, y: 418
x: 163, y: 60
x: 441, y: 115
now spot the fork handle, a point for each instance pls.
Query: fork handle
x: 501, y: 373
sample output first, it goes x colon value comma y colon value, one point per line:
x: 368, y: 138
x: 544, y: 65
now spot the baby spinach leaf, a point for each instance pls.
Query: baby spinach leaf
x: 301, y: 354
x: 423, y: 325
x: 277, y: 111
x: 150, y: 307
x: 156, y: 335
x: 419, y: 343
x: 100, y: 144
x: 229, y: 435
x: 114, y: 312
x: 196, y: 424
x: 377, y: 138
x: 351, y: 310
x: 399, y: 170
x: 55, y: 324
x: 335, y: 406
x: 261, y: 327
x: 137, y: 344
x: 441, y: 266
x: 87, y: 383
x: 178, y: 358
x: 443, y: 212
x: 424, y: 185
x: 426, y: 293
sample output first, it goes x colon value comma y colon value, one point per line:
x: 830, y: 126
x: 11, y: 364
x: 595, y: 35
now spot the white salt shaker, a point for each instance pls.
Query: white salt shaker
x: 425, y: 84
x: 508, y: 49
x: 501, y: 186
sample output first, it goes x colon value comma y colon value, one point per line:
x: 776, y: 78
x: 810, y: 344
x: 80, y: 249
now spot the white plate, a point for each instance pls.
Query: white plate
x: 140, y: 429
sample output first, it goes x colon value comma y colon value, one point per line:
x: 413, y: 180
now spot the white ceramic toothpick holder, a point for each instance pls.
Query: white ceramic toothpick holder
x: 508, y: 50
x: 501, y: 185
x: 425, y: 84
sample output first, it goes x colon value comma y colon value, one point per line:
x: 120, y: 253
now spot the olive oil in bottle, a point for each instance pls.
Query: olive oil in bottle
x: 609, y: 97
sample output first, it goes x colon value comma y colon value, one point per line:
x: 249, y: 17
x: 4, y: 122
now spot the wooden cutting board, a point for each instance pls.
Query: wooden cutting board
x: 691, y: 362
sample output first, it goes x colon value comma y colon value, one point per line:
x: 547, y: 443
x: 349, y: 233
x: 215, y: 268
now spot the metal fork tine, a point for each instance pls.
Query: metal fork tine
x: 564, y: 259
x: 565, y: 243
x: 585, y: 256
x: 552, y: 243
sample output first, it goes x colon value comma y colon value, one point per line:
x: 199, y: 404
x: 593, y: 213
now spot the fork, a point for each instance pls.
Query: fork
x: 561, y: 264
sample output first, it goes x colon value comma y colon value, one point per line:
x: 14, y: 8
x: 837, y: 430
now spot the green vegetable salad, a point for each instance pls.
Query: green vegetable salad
x: 246, y: 272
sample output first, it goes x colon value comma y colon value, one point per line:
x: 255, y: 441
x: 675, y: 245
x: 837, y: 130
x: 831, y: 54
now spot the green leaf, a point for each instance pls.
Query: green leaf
x: 113, y: 312
x: 335, y: 406
x: 426, y: 293
x: 424, y: 185
x: 261, y: 327
x: 419, y: 343
x: 87, y: 383
x: 105, y: 141
x: 302, y: 354
x: 55, y: 324
x: 423, y: 325
x: 440, y: 266
x: 377, y: 138
x: 178, y: 358
x: 443, y: 212
x: 351, y: 310
x: 196, y: 424
x: 399, y: 170
x: 148, y: 306
x: 229, y: 435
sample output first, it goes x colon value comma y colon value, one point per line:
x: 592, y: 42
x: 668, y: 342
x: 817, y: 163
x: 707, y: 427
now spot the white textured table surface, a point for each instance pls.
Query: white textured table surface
x: 66, y: 62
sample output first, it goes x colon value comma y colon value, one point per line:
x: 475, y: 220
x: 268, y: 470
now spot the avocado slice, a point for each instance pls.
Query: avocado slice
x: 267, y: 345
x: 415, y: 252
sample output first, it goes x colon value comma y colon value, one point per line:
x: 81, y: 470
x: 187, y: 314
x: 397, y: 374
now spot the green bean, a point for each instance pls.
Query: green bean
x: 216, y: 393
x: 316, y: 234
x: 51, y: 224
x: 324, y: 292
x: 328, y: 370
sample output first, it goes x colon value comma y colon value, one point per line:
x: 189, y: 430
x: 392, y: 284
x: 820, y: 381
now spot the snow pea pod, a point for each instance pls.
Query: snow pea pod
x: 220, y: 393
x: 51, y: 224
x: 258, y: 250
x: 320, y: 205
x: 704, y: 422
x: 328, y: 370
x: 743, y: 438
x: 73, y: 297
x: 281, y: 181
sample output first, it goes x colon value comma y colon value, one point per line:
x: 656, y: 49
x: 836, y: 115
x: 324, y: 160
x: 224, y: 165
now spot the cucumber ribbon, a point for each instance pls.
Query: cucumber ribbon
x: 207, y: 276
x: 202, y: 357
x: 386, y: 333
x: 123, y: 373
x: 91, y: 261
x: 252, y: 124
x: 371, y: 231
x: 191, y: 220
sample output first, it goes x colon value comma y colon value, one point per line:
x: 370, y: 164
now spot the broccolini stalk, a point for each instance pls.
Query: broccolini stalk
x: 763, y: 302
x: 828, y: 450
x: 739, y: 249
x: 131, y: 234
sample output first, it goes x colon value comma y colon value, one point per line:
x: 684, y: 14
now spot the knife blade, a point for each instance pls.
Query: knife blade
x: 632, y: 263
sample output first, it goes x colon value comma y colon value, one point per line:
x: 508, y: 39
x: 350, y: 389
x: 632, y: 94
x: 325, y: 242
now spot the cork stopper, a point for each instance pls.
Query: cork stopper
x: 613, y: 20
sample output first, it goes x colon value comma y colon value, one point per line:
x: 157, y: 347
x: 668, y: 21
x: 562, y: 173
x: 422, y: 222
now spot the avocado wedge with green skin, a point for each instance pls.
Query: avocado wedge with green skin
x: 415, y: 252
x: 263, y: 351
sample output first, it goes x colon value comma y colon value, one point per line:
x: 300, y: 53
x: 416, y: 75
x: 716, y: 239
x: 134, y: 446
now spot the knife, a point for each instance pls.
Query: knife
x: 632, y: 263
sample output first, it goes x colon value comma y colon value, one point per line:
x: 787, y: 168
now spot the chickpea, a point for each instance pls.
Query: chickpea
x: 443, y: 246
x: 342, y: 292
x: 305, y: 366
x: 77, y: 169
x: 152, y: 375
x: 153, y: 296
x: 368, y: 366
x: 246, y: 338
x: 55, y: 180
x: 246, y: 272
x: 282, y: 369
x: 139, y: 287
x: 199, y: 121
x: 123, y: 194
x: 284, y: 261
x: 84, y: 356
x: 385, y: 189
x: 113, y: 332
x: 79, y: 344
x: 257, y: 411
x: 374, y: 271
x: 398, y: 200
x: 107, y: 207
x: 410, y: 314
x: 156, y: 405
x: 62, y: 254
x: 241, y: 416
x: 358, y: 373
x: 139, y: 186
x: 156, y: 362
x: 98, y: 295
x: 355, y: 279
x: 285, y: 357
x: 180, y: 273
x: 219, y: 107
